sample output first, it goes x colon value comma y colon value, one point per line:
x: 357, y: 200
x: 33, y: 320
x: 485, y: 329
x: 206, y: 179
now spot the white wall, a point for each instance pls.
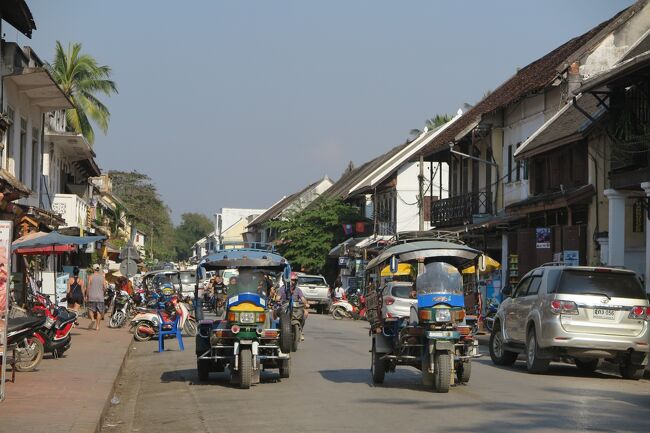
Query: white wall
x: 407, y: 189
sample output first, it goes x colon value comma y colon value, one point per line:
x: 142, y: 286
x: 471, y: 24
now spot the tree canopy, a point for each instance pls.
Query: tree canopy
x: 307, y: 235
x: 193, y: 227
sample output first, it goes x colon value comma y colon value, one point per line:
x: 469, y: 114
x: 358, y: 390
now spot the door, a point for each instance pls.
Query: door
x: 525, y: 303
x: 514, y: 311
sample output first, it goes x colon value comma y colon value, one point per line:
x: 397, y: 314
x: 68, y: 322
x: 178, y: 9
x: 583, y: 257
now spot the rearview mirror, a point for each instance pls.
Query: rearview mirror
x: 507, y: 291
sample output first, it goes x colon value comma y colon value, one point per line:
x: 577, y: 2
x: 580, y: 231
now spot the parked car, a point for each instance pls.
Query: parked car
x: 188, y: 281
x: 574, y: 313
x: 396, y: 299
x: 316, y: 291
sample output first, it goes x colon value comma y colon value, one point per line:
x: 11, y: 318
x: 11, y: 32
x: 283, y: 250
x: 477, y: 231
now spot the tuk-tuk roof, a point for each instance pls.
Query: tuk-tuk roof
x: 161, y: 271
x: 456, y: 254
x: 243, y: 258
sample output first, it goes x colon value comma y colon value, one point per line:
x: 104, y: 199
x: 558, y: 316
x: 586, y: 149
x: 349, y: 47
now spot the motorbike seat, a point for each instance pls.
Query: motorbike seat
x: 15, y: 324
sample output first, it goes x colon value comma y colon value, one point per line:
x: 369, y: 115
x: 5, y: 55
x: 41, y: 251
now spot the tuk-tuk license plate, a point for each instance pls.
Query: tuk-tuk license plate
x: 443, y: 334
x: 602, y: 313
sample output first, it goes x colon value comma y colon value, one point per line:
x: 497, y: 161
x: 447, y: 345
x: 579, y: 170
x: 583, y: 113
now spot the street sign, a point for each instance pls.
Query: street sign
x: 128, y: 268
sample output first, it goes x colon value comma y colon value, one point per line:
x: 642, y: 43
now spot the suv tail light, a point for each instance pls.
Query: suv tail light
x: 640, y: 313
x: 563, y: 307
x: 389, y: 300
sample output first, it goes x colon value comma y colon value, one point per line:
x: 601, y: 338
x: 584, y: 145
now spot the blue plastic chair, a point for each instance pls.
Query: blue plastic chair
x: 174, y: 330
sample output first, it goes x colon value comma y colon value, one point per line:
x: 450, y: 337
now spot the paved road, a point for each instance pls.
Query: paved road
x: 330, y: 391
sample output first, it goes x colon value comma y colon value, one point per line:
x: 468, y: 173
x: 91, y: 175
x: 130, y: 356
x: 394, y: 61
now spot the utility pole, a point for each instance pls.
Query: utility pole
x: 421, y: 193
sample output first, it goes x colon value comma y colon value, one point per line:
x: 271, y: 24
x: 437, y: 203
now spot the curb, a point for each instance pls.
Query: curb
x: 107, y: 404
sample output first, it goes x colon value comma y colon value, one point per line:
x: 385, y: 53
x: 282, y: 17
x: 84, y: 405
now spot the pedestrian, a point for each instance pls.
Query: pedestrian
x: 75, y: 293
x: 95, y: 294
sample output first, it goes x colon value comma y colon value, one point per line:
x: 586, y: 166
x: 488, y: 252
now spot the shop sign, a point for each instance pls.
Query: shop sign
x: 343, y: 262
x: 571, y: 257
x: 543, y: 237
x: 6, y: 231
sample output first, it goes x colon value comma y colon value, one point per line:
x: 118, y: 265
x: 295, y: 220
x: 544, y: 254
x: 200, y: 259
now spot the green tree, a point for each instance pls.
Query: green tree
x: 193, y: 227
x: 81, y: 79
x: 307, y: 235
x: 434, y: 122
x: 145, y: 206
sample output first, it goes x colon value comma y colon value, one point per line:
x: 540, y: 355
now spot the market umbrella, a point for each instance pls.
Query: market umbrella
x: 50, y: 243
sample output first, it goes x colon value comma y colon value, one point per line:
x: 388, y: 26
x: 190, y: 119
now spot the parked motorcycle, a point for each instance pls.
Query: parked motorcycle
x: 353, y: 307
x: 492, y: 308
x: 297, y: 319
x: 55, y: 333
x: 123, y: 308
x: 22, y: 341
x: 146, y: 323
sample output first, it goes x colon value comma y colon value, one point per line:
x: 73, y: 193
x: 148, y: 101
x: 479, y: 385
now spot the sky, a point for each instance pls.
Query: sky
x: 238, y: 103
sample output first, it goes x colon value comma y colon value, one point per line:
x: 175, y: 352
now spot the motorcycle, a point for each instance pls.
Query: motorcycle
x: 492, y: 308
x: 122, y: 309
x: 22, y: 342
x: 297, y: 320
x: 352, y: 308
x: 147, y: 321
x: 55, y: 333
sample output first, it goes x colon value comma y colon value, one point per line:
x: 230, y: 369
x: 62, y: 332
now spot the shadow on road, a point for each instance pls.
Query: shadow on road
x: 404, y: 378
x: 557, y: 369
x: 190, y: 377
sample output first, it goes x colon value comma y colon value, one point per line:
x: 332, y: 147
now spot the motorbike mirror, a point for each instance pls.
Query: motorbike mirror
x: 482, y: 263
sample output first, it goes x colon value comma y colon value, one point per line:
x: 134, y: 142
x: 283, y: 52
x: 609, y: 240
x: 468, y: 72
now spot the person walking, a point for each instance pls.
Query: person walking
x: 75, y: 293
x: 95, y: 297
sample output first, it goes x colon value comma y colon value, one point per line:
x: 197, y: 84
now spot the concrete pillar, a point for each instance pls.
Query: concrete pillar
x: 646, y: 187
x: 616, y: 227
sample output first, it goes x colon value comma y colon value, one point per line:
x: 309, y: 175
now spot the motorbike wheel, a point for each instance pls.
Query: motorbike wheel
x: 143, y: 336
x: 190, y: 328
x: 30, y: 355
x: 442, y: 373
x: 338, y: 313
x: 464, y: 371
x: 285, y: 368
x: 286, y: 333
x: 203, y: 369
x: 245, y: 368
x: 297, y: 333
x: 117, y: 320
x: 377, y: 367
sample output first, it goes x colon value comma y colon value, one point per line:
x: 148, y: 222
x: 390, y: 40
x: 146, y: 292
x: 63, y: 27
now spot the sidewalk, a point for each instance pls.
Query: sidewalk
x: 68, y: 394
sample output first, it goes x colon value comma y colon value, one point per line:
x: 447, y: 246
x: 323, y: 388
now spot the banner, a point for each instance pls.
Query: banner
x: 6, y: 233
x: 543, y: 237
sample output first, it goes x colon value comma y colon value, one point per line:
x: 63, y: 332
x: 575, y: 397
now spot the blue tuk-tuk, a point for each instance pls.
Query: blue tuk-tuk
x: 249, y: 338
x: 435, y: 337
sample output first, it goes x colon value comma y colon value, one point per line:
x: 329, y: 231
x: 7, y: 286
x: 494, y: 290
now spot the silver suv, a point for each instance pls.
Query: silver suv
x: 575, y: 313
x: 316, y: 290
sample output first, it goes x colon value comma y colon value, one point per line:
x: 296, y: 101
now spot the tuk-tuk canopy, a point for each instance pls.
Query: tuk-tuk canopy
x: 459, y: 255
x: 244, y: 258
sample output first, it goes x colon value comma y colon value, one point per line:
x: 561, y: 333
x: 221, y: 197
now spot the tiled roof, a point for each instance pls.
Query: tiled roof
x: 529, y: 79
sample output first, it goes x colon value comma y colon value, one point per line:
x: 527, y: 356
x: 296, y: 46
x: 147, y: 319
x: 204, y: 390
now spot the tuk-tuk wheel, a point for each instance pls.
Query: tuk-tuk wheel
x: 286, y: 334
x: 377, y: 367
x: 464, y: 371
x: 285, y: 368
x: 442, y: 373
x: 203, y: 369
x: 245, y: 368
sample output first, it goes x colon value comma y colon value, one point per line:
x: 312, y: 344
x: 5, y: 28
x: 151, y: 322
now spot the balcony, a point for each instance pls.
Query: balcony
x: 72, y: 208
x: 460, y: 209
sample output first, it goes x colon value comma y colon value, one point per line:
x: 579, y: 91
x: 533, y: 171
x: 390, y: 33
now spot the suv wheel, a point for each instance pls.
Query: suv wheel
x: 499, y: 355
x: 534, y: 364
x: 631, y: 371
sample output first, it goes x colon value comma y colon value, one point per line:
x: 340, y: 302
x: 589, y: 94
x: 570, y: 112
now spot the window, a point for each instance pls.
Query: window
x: 518, y: 165
x: 533, y: 289
x: 23, y: 151
x: 509, y: 163
x: 607, y: 283
x: 10, y: 134
x: 522, y: 288
x: 35, y: 161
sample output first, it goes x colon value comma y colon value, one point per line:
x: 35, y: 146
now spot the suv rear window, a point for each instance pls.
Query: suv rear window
x: 316, y: 281
x: 613, y: 284
x: 401, y: 291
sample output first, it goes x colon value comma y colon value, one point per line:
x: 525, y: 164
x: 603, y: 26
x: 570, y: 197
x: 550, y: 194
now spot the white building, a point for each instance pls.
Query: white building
x: 228, y: 217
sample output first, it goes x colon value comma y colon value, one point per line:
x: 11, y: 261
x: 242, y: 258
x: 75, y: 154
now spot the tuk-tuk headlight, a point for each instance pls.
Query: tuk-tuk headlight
x: 247, y: 317
x: 443, y: 315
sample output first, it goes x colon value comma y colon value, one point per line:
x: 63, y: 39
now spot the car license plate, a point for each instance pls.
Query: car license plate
x: 601, y: 313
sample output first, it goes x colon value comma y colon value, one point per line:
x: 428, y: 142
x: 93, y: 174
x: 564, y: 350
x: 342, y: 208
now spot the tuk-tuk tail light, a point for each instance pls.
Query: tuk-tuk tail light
x: 424, y: 314
x: 464, y: 330
x: 232, y: 317
x: 270, y: 333
x: 261, y: 318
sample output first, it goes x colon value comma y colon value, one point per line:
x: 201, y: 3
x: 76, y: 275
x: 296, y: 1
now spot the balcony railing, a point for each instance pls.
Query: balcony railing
x: 72, y: 208
x: 460, y: 209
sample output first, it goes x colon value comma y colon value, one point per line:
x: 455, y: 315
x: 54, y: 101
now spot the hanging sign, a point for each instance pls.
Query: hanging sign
x: 6, y: 232
x: 543, y: 237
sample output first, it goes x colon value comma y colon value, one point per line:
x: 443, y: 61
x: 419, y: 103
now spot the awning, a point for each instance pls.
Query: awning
x: 552, y: 200
x: 11, y: 187
x: 16, y: 13
x: 72, y: 146
x: 359, y: 243
x: 58, y: 249
x: 402, y: 269
x: 496, y: 222
x: 569, y: 124
x: 38, y: 85
x: 617, y: 72
x: 53, y: 239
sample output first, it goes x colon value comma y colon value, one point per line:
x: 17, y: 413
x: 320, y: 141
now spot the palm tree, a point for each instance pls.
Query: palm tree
x: 81, y: 78
x: 434, y: 122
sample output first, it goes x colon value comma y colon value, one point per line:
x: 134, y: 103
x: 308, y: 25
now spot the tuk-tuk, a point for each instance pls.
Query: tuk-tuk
x: 249, y: 339
x: 435, y: 338
x: 153, y: 279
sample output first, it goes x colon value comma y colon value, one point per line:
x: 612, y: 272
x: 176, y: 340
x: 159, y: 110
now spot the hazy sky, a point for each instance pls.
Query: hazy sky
x: 237, y: 103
